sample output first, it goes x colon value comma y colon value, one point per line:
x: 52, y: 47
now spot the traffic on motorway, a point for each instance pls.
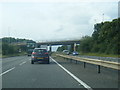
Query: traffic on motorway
x: 18, y: 72
x: 60, y: 44
x: 39, y: 54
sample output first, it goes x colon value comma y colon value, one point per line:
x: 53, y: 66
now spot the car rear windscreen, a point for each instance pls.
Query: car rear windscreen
x: 40, y: 50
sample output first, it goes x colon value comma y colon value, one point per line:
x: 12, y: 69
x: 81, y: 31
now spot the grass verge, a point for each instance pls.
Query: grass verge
x: 12, y: 55
x: 100, y: 55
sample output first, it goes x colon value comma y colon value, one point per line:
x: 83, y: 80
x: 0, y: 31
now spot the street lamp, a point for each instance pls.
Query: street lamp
x: 103, y: 18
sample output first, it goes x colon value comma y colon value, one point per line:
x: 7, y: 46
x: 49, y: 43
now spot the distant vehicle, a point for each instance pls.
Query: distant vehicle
x: 29, y: 52
x: 41, y: 55
x: 66, y: 52
x: 30, y: 46
x: 75, y: 53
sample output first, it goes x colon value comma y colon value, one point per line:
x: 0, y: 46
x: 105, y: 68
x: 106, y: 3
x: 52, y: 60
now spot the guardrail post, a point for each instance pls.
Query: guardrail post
x: 98, y: 68
x: 84, y: 64
x: 70, y: 60
x: 76, y: 61
x: 67, y: 59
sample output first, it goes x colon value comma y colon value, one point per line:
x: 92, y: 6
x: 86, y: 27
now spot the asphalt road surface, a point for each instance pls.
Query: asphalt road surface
x: 18, y: 72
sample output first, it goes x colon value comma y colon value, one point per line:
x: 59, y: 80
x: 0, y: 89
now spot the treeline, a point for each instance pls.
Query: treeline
x: 105, y: 39
x: 10, y: 45
x: 14, y: 40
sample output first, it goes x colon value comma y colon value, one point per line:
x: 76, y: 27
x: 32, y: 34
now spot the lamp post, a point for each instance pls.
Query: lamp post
x: 103, y: 18
x: 9, y: 35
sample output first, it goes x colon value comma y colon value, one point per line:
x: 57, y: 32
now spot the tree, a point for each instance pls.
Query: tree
x: 86, y: 44
x: 105, y: 38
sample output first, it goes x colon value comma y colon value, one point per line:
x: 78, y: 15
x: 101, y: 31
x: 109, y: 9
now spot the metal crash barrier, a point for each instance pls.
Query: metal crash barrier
x: 108, y: 64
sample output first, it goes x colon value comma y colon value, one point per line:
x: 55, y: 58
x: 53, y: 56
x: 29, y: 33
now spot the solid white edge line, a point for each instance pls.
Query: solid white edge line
x: 7, y: 71
x: 22, y: 63
x: 77, y: 79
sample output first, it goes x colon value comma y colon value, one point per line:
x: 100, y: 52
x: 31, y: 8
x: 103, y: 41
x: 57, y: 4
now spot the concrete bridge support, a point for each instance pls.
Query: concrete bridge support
x: 38, y: 46
x: 74, y: 46
x: 50, y: 48
x: 71, y: 47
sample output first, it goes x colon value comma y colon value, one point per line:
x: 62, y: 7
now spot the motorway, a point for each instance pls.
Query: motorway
x: 18, y: 72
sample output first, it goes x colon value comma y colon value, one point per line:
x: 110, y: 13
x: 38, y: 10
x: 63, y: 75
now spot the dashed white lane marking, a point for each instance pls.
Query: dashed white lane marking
x: 22, y: 63
x: 77, y: 79
x: 7, y: 71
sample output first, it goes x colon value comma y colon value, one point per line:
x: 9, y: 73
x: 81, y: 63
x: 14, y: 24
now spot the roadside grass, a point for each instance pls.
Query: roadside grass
x: 100, y: 55
x: 12, y: 55
x: 95, y: 54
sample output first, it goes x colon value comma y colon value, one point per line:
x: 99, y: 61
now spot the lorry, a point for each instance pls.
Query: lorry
x: 30, y: 46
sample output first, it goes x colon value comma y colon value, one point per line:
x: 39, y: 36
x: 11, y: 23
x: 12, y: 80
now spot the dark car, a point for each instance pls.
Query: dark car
x: 40, y: 55
x: 75, y: 53
x: 29, y: 52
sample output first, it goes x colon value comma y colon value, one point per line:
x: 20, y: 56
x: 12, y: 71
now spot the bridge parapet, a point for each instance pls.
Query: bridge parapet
x: 69, y: 42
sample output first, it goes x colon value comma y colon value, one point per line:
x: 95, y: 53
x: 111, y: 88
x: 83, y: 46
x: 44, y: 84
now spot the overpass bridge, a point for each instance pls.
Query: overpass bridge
x: 65, y: 42
x: 33, y: 44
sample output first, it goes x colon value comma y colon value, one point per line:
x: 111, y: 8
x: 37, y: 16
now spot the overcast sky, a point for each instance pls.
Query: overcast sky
x: 46, y: 21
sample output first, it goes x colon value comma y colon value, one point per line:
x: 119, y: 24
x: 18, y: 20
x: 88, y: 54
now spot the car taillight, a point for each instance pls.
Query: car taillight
x: 33, y: 52
x: 46, y: 53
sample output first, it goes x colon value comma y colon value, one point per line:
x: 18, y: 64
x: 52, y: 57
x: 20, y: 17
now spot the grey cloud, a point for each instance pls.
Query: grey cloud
x: 78, y: 20
x: 59, y: 29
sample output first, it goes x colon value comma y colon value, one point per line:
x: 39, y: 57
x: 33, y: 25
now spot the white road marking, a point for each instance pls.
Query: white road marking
x: 77, y: 79
x: 22, y: 63
x: 7, y: 71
